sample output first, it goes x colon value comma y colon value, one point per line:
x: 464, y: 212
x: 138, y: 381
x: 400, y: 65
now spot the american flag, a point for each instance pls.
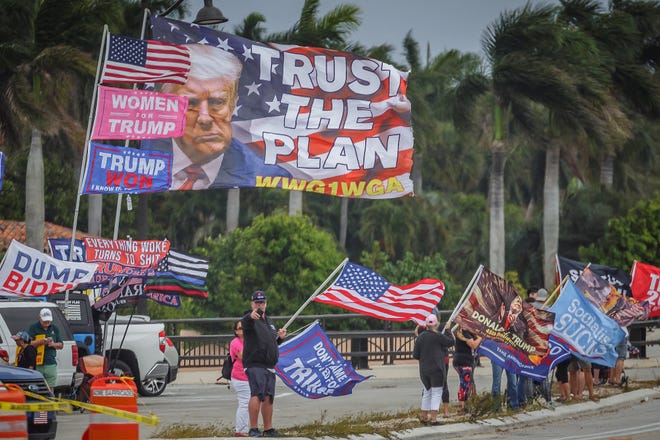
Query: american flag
x: 351, y: 139
x: 40, y: 418
x: 363, y: 291
x: 129, y: 60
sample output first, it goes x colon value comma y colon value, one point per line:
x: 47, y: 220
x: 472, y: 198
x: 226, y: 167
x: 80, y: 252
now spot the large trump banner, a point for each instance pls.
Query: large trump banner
x: 296, y: 118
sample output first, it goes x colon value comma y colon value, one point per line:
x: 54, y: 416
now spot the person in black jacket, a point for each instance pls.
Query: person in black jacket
x: 431, y: 349
x: 260, y: 354
x: 26, y: 356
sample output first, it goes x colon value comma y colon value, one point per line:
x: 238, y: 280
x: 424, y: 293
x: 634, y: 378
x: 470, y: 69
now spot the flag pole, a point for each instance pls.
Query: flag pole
x: 556, y: 291
x: 115, y: 233
x: 468, y: 290
x: 316, y: 292
x: 85, y: 157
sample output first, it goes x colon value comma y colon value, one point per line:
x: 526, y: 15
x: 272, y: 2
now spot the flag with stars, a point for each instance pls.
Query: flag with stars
x: 337, y: 123
x: 129, y: 60
x: 361, y: 290
x: 112, y: 170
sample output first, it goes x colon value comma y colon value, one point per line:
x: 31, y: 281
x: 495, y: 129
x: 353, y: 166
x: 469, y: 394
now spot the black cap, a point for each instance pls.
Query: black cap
x: 258, y: 296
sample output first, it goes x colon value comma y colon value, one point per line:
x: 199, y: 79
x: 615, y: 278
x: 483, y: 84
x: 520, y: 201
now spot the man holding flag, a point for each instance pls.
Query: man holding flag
x: 260, y: 354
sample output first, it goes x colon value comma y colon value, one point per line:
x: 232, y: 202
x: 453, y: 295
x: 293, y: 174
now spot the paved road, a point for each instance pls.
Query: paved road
x: 195, y: 399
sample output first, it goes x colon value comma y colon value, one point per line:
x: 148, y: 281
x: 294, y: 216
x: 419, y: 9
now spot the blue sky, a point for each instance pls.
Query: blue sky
x: 444, y: 24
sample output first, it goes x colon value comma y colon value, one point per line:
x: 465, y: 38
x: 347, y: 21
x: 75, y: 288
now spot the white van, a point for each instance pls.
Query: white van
x: 17, y: 315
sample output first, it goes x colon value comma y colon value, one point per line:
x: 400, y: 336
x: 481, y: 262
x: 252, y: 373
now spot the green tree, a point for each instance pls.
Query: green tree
x: 46, y: 66
x: 631, y: 237
x: 287, y: 257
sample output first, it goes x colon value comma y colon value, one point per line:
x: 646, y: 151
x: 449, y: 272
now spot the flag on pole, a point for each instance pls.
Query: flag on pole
x: 645, y: 285
x: 361, y: 290
x: 519, y: 363
x: 608, y: 300
x: 495, y: 310
x: 184, y: 267
x: 129, y: 60
x: 588, y: 333
x: 312, y: 366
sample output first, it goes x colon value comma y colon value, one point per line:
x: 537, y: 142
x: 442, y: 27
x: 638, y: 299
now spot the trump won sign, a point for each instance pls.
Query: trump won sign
x: 112, y: 170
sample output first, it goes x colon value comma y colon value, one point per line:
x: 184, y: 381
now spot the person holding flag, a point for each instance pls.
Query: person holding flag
x: 260, y: 355
x: 430, y: 350
x: 464, y: 345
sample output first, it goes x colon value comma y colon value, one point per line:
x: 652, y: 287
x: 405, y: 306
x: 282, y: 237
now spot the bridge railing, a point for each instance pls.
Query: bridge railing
x: 385, y: 346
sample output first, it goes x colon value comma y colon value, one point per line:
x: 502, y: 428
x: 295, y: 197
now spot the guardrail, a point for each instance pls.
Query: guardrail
x: 360, y: 347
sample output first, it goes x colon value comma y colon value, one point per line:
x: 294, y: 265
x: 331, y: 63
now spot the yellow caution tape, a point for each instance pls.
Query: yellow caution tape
x: 150, y: 420
x: 35, y: 407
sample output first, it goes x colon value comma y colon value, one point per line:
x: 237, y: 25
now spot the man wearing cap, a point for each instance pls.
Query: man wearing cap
x: 260, y: 354
x: 47, y: 340
x: 26, y: 354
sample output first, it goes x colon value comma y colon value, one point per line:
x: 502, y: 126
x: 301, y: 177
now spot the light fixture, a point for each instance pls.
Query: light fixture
x: 209, y: 14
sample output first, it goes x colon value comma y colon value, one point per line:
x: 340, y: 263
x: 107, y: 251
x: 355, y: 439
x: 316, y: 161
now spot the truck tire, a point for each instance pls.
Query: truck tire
x: 120, y: 368
x: 151, y: 387
x: 146, y: 388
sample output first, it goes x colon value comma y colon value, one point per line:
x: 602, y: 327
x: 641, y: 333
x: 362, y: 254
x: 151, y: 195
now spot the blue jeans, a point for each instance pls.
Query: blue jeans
x: 511, y: 385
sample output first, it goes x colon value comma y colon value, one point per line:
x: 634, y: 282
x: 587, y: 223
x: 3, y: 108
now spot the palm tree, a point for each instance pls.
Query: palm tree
x: 45, y: 70
x: 626, y: 36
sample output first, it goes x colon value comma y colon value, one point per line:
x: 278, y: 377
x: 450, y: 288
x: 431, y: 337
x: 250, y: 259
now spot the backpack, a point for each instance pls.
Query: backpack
x: 227, y: 366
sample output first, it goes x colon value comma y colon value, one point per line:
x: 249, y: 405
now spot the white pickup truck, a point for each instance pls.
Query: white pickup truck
x: 19, y: 314
x: 134, y: 346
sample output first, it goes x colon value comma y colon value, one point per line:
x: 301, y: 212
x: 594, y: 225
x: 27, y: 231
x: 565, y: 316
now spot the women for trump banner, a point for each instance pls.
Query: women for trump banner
x: 312, y: 366
x: 138, y: 114
x: 588, y: 333
x: 27, y: 272
x: 324, y: 121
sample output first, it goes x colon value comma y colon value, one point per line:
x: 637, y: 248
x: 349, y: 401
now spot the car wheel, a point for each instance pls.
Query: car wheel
x: 151, y: 387
x: 120, y: 368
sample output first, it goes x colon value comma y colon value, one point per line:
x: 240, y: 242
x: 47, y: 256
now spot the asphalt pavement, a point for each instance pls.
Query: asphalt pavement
x: 637, y: 369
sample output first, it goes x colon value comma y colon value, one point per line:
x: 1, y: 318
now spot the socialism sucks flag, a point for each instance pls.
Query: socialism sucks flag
x: 336, y: 123
x: 363, y: 291
x: 645, y: 285
x: 112, y: 170
x: 588, y: 333
x: 138, y: 114
x: 312, y: 366
x: 27, y: 272
x: 608, y: 300
x: 129, y: 60
x: 495, y: 310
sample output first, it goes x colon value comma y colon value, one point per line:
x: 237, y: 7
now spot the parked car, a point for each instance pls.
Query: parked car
x: 40, y: 425
x: 133, y: 345
x: 19, y: 314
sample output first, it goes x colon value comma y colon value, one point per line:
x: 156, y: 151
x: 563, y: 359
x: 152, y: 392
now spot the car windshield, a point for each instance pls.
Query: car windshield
x: 20, y: 318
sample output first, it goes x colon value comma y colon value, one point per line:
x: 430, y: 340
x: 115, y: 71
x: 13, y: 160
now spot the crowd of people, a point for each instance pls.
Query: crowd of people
x: 573, y: 375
